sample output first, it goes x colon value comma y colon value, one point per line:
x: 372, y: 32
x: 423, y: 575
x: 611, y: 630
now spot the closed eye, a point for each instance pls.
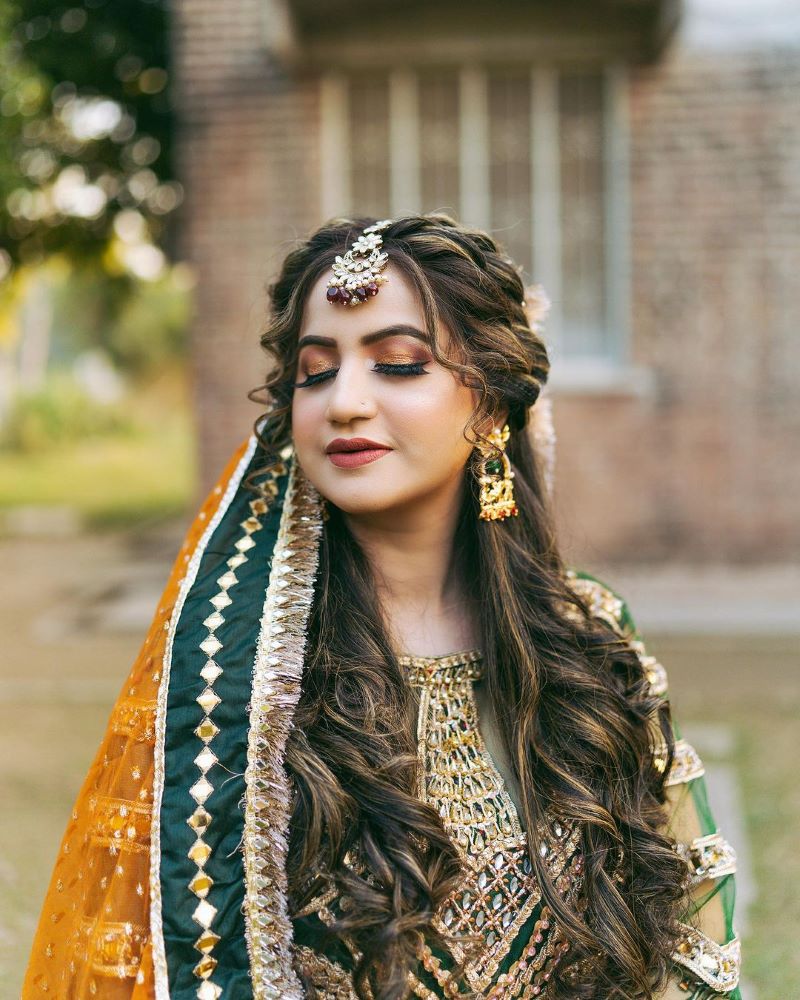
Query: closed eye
x: 382, y: 368
x: 407, y: 368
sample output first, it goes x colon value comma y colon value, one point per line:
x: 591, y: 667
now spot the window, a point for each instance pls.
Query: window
x: 536, y: 155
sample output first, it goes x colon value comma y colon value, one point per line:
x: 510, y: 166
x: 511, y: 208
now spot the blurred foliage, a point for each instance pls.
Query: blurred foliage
x: 145, y: 468
x: 92, y: 313
x: 85, y: 125
x: 139, y: 325
x: 109, y: 482
x: 58, y: 413
x: 150, y: 330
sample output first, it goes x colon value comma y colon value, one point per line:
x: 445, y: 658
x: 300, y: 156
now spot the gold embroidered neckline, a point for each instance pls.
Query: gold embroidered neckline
x: 442, y: 661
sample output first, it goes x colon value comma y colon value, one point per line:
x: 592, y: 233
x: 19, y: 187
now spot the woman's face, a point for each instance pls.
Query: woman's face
x: 412, y: 416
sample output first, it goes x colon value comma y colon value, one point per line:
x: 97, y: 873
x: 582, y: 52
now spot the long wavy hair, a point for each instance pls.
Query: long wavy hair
x: 569, y: 692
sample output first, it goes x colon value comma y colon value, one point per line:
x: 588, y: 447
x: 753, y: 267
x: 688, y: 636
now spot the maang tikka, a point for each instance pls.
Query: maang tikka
x: 357, y: 274
x: 496, y: 479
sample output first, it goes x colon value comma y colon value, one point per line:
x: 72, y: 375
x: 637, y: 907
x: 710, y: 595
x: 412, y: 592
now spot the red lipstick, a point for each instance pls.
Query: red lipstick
x: 348, y: 453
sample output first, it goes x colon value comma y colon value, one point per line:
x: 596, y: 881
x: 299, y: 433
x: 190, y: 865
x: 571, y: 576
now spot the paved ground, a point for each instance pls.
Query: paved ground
x: 703, y: 600
x: 75, y: 608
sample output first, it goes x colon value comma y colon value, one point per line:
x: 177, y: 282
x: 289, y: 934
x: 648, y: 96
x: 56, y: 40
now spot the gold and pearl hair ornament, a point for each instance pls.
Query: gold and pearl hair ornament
x: 357, y: 274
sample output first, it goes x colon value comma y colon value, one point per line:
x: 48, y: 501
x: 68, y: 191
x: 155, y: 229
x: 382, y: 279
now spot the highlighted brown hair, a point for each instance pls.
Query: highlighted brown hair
x: 569, y: 693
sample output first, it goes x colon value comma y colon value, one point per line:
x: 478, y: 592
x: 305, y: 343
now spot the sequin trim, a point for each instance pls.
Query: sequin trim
x: 276, y: 689
x: 708, y: 857
x: 686, y: 763
x: 160, y: 972
x: 717, y: 965
x: 208, y: 700
x: 653, y: 670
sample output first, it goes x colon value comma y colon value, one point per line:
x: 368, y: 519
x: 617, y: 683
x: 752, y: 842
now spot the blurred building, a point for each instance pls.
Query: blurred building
x: 640, y: 158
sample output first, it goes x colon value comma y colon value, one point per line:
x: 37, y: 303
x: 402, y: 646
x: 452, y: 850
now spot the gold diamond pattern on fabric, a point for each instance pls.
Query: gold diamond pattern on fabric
x: 499, y: 892
x: 717, y: 965
x: 211, y: 514
x: 207, y: 698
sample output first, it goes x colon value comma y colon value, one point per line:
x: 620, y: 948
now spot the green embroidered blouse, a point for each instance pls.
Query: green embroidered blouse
x: 499, y: 900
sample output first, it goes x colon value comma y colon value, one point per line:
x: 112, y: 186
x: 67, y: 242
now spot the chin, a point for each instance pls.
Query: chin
x: 362, y: 501
x: 361, y: 506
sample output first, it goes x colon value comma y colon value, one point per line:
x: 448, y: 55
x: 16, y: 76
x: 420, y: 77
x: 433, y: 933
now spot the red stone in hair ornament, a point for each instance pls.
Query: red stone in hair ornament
x: 357, y: 274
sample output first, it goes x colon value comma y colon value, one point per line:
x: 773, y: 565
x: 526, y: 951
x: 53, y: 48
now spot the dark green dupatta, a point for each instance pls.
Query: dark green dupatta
x: 229, y: 687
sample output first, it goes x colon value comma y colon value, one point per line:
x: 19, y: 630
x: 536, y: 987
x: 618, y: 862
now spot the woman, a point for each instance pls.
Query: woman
x: 380, y: 741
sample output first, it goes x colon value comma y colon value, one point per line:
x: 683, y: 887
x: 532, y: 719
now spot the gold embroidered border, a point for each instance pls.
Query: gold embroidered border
x: 653, y: 670
x: 160, y: 973
x: 463, y: 784
x: 717, y: 965
x: 708, y: 857
x: 686, y: 763
x: 276, y: 689
x: 329, y: 979
x: 603, y: 603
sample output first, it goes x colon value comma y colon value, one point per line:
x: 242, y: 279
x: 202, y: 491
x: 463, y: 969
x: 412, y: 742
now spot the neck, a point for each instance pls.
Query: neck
x: 411, y: 554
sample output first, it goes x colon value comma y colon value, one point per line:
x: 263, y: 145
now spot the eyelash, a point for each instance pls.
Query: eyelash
x: 411, y: 368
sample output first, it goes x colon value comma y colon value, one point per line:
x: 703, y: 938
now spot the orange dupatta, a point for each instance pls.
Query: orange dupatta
x: 93, y: 937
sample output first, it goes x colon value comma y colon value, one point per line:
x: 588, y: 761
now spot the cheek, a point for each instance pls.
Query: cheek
x: 305, y: 417
x: 435, y: 415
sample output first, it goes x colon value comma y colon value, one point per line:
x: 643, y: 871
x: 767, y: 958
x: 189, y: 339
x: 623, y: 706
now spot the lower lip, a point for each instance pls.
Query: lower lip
x: 351, y: 459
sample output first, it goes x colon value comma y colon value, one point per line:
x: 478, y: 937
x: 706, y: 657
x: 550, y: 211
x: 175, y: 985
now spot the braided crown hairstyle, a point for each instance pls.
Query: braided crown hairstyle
x: 570, y: 696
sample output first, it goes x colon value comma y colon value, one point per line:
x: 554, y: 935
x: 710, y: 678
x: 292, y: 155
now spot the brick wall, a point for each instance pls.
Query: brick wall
x: 248, y: 159
x: 705, y: 467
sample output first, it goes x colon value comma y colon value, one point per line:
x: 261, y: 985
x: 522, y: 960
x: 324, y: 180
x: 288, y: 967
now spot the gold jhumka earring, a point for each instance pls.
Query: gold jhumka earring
x: 496, y: 479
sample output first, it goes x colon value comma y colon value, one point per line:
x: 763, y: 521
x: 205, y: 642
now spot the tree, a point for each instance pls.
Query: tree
x: 85, y: 128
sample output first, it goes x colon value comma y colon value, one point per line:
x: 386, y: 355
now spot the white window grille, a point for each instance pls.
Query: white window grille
x: 536, y: 155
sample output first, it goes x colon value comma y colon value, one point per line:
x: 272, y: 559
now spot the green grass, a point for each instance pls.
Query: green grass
x: 768, y: 771
x: 112, y: 481
x: 751, y: 685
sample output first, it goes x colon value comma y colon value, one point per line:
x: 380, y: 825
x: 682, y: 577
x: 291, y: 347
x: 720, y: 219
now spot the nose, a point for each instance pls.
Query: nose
x: 351, y: 396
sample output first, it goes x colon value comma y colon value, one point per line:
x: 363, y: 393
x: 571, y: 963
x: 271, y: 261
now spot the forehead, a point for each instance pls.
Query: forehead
x: 396, y: 302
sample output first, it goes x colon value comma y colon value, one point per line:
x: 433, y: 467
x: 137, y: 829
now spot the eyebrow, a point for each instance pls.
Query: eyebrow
x: 396, y: 330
